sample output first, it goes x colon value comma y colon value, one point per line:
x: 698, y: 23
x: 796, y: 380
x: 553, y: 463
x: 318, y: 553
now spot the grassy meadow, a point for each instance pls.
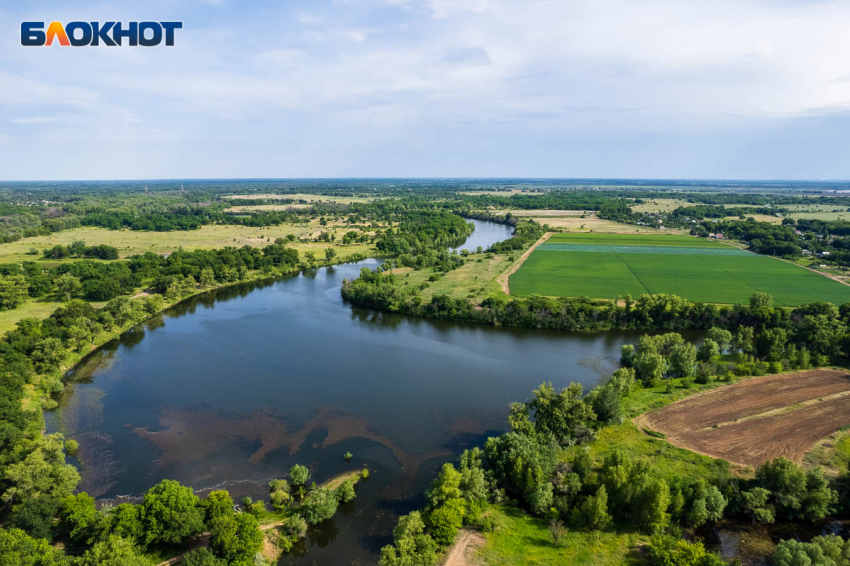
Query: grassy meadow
x: 612, y: 265
x: 520, y: 539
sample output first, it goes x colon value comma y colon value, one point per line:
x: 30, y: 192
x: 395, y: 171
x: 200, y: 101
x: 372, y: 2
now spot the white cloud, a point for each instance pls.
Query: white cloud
x: 481, y: 71
x: 35, y: 120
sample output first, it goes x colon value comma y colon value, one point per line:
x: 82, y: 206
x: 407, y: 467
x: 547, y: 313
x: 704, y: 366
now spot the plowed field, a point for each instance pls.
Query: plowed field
x: 759, y: 419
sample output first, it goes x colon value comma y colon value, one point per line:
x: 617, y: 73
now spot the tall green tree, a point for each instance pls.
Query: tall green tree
x: 171, y: 513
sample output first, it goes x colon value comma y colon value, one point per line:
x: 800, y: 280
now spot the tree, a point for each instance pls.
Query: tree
x: 756, y: 504
x: 14, y: 290
x: 445, y: 521
x: 321, y: 505
x: 17, y: 548
x: 665, y: 550
x: 207, y: 278
x: 412, y: 547
x: 279, y: 493
x: 48, y: 354
x: 542, y: 499
x: 606, y: 402
x: 125, y: 522
x: 68, y: 285
x: 445, y: 487
x: 760, y: 306
x: 829, y: 550
x: 114, y: 551
x: 42, y: 473
x: 345, y: 491
x: 650, y: 367
x: 202, y: 557
x: 683, y: 359
x: 651, y: 503
x: 592, y: 511
x: 771, y: 342
x: 81, y: 519
x: 744, y: 340
x: 787, y: 483
x: 708, y: 350
x: 235, y: 537
x: 299, y: 475
x: 720, y: 336
x: 707, y: 504
x: 171, y: 513
x: 217, y: 504
x: 473, y: 484
x: 559, y: 414
x: 330, y: 254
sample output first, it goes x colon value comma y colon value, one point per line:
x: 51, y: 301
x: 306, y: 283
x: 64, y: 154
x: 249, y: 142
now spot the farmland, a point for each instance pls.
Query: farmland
x: 759, y: 419
x: 613, y: 265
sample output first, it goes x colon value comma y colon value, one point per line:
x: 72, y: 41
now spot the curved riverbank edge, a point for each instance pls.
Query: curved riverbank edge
x: 76, y: 359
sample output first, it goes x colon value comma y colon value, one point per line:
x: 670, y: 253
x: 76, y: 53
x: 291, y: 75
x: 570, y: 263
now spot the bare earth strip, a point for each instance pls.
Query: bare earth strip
x: 461, y: 551
x: 759, y: 419
x: 503, y: 278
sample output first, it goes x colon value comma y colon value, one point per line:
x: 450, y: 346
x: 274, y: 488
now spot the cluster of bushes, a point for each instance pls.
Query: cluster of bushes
x: 80, y: 249
x: 421, y: 230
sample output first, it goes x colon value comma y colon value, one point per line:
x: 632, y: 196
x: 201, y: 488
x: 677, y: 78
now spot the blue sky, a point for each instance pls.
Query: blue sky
x: 412, y: 88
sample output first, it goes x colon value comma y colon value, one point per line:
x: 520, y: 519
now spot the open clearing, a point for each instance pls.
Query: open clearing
x: 758, y: 419
x: 608, y: 266
x: 572, y: 221
x: 130, y: 242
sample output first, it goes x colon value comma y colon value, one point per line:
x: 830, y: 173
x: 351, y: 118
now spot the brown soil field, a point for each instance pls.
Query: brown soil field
x: 759, y: 419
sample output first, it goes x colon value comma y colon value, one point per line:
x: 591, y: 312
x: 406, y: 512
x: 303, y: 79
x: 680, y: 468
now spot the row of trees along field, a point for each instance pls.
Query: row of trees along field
x: 169, y: 517
x: 544, y: 465
x: 99, y: 281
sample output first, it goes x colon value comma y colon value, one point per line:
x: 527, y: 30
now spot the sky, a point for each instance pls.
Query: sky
x: 727, y: 89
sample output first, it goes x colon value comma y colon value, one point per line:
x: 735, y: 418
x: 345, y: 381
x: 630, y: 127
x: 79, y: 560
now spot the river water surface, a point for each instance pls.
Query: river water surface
x: 232, y: 388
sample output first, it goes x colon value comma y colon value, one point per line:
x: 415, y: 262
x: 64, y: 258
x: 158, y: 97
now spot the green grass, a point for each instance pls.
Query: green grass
x: 832, y: 454
x: 30, y: 309
x: 698, y: 270
x: 474, y: 280
x: 668, y: 460
x: 523, y: 540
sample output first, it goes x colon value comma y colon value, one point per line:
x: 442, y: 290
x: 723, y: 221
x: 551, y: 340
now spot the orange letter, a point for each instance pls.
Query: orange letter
x: 56, y: 30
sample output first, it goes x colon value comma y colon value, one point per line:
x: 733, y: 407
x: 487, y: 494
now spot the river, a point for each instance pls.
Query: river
x: 230, y: 389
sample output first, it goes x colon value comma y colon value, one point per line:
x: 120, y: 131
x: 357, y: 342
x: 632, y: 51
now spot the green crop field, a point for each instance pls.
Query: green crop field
x: 613, y: 265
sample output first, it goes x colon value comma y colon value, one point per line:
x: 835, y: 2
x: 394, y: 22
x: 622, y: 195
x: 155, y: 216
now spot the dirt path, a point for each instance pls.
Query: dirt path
x: 829, y: 275
x: 503, y: 278
x: 460, y: 554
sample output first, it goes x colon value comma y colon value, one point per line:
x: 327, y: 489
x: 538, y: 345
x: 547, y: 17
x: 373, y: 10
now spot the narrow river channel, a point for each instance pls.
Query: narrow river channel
x: 231, y: 389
